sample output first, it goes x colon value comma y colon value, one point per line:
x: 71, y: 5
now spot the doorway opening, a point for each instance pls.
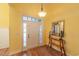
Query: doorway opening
x: 32, y: 32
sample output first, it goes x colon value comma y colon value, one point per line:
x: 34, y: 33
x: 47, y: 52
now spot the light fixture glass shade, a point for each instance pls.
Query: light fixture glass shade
x: 42, y: 13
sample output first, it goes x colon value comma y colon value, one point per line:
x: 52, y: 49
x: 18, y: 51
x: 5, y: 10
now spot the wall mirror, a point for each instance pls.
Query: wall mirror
x: 58, y: 28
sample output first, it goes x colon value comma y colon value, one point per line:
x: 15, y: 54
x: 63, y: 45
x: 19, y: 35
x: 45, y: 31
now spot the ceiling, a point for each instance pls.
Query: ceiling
x: 32, y: 9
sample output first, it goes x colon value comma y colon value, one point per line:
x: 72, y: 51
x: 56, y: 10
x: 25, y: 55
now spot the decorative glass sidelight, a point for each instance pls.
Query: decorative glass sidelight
x: 40, y: 36
x: 24, y: 34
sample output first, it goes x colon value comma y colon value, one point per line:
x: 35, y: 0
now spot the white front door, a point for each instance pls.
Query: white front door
x: 33, y: 34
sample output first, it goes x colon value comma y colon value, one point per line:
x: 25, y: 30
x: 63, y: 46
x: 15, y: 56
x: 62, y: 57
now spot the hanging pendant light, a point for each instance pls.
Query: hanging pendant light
x: 42, y: 13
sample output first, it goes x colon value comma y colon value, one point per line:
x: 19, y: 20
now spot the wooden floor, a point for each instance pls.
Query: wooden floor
x: 39, y: 51
x: 4, y: 52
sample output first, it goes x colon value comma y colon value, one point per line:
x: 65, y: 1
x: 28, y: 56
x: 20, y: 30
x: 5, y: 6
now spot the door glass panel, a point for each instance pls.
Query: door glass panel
x: 24, y: 35
x: 33, y: 19
x: 40, y: 39
x: 29, y: 19
x: 24, y: 18
x: 24, y: 43
x: 24, y: 27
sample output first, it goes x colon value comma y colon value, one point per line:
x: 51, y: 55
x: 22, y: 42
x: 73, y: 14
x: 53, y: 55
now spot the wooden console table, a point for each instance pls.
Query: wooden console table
x: 58, y: 43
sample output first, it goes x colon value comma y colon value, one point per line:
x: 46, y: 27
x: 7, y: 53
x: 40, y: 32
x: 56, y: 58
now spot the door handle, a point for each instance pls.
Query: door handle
x: 28, y: 36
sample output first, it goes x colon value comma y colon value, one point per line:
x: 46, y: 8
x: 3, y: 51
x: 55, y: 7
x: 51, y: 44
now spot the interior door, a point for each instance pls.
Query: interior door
x: 33, y: 31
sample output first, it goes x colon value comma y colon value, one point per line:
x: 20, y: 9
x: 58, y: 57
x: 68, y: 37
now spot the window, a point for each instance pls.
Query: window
x: 30, y: 19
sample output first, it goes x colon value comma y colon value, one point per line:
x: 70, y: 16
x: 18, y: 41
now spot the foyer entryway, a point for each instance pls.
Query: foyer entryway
x: 32, y: 32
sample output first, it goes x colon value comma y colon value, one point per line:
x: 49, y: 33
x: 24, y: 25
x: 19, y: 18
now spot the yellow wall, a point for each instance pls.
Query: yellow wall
x: 10, y: 19
x: 15, y: 31
x: 4, y: 26
x: 69, y: 13
x: 4, y: 15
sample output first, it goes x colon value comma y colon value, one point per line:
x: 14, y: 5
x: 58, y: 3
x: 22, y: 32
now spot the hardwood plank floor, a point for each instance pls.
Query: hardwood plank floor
x: 4, y: 52
x: 39, y: 51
